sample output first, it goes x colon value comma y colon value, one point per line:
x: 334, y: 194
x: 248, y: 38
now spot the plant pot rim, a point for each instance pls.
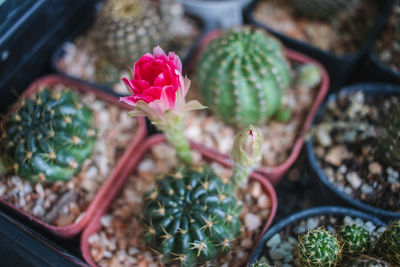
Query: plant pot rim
x: 95, y: 225
x: 76, y: 227
x: 313, y: 161
x: 275, y: 173
x: 382, y: 66
x: 315, y: 211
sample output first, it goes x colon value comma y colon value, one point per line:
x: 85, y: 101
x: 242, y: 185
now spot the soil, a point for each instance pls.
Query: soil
x: 120, y: 240
x: 206, y: 128
x: 80, y: 59
x: 387, y: 48
x: 342, y: 35
x: 279, y: 249
x: 349, y: 158
x: 63, y: 203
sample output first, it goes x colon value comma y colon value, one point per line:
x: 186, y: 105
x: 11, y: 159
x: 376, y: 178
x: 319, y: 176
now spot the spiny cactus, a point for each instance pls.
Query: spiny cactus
x: 48, y: 136
x: 320, y: 9
x: 318, y: 248
x: 389, y: 143
x: 126, y: 29
x: 388, y: 244
x: 192, y: 217
x: 365, y: 261
x: 354, y: 240
x: 260, y: 263
x: 243, y: 75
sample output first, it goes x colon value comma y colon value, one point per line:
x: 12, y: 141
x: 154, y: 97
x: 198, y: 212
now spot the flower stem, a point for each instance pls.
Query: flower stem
x: 240, y: 174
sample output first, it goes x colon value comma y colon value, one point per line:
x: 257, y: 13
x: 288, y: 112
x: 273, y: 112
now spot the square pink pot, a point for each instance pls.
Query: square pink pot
x: 275, y: 173
x: 132, y: 164
x: 75, y: 228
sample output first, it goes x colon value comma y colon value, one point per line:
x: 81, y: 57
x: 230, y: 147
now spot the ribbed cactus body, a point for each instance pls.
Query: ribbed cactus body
x: 389, y: 143
x: 243, y: 75
x: 126, y: 29
x: 388, y: 244
x: 354, y: 240
x: 319, y: 9
x: 318, y: 248
x: 192, y: 217
x: 48, y: 137
x: 260, y: 263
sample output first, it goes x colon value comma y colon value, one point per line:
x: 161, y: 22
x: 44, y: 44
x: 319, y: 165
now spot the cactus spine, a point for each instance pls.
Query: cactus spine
x: 192, y: 217
x: 48, y: 136
x: 388, y: 244
x: 242, y: 75
x: 354, y: 240
x: 318, y: 248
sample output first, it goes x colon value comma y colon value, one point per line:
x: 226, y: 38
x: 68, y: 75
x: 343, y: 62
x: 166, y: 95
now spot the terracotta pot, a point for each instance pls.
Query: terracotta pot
x: 77, y: 227
x: 95, y: 224
x: 275, y: 173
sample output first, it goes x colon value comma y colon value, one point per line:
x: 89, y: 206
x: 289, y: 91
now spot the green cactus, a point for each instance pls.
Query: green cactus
x: 388, y: 244
x: 389, y: 143
x: 319, y: 9
x: 308, y: 75
x: 192, y: 217
x: 243, y: 75
x: 365, y: 261
x: 354, y: 240
x: 260, y: 263
x: 48, y: 136
x: 318, y: 248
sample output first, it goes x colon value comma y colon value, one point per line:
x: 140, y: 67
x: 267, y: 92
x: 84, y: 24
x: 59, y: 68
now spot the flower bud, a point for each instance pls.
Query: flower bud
x: 246, y: 149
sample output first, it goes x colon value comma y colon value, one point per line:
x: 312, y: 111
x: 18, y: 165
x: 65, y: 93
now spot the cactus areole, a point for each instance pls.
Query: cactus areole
x: 48, y: 136
x: 243, y: 75
x: 191, y: 216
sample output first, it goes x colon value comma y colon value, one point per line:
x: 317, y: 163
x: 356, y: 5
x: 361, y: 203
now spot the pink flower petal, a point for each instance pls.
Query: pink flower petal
x: 158, y: 52
x: 140, y: 85
x: 176, y: 60
x: 168, y: 96
x: 152, y: 92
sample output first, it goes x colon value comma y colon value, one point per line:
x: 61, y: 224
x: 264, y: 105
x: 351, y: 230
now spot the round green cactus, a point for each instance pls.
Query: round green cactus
x: 319, y: 9
x: 318, y: 248
x: 260, y: 263
x: 365, y: 261
x: 389, y: 143
x: 192, y: 217
x: 243, y: 75
x: 48, y: 136
x: 388, y: 244
x: 354, y: 240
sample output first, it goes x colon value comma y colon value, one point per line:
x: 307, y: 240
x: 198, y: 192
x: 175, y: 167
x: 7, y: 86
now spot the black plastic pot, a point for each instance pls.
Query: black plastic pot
x: 86, y: 22
x: 340, y: 68
x: 329, y: 190
x: 293, y: 219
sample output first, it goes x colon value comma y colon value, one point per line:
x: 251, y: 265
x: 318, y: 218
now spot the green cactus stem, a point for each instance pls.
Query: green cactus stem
x: 48, y: 137
x: 365, y: 261
x: 388, y: 244
x: 354, y: 240
x: 192, y: 217
x: 318, y: 248
x: 243, y: 75
x: 246, y: 154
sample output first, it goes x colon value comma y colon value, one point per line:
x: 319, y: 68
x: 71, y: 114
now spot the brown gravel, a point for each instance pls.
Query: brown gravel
x: 61, y: 204
x: 387, y: 47
x: 348, y: 158
x: 80, y: 59
x: 343, y: 35
x: 120, y: 240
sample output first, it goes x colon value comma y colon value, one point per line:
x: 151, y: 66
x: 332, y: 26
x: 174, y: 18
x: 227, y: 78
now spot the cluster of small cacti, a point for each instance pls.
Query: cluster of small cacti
x: 243, y: 75
x: 192, y: 217
x: 47, y: 137
x: 351, y: 246
x: 320, y: 9
x: 126, y: 29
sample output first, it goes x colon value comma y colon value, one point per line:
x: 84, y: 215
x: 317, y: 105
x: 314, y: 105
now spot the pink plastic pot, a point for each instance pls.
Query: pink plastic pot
x: 275, y: 173
x: 77, y: 227
x: 95, y: 224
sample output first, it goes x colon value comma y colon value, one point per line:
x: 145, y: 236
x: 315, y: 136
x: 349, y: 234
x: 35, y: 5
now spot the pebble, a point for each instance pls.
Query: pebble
x: 255, y: 189
x: 366, y: 189
x: 252, y: 221
x: 264, y: 202
x: 336, y: 155
x: 354, y: 179
x: 375, y: 168
x: 274, y: 241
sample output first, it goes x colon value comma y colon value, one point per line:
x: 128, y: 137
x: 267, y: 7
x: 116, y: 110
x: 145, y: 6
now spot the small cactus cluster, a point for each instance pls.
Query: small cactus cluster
x: 48, y: 136
x: 355, y: 239
x: 126, y: 29
x: 243, y: 75
x: 388, y: 244
x: 320, y: 9
x: 192, y: 217
x: 260, y: 263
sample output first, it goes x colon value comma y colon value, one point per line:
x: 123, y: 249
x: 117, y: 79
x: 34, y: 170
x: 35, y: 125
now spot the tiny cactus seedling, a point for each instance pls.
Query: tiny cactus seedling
x: 365, y: 261
x: 192, y: 217
x: 48, y: 137
x: 388, y: 244
x: 354, y: 240
x: 308, y: 75
x: 243, y: 75
x: 318, y: 248
x: 260, y: 263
